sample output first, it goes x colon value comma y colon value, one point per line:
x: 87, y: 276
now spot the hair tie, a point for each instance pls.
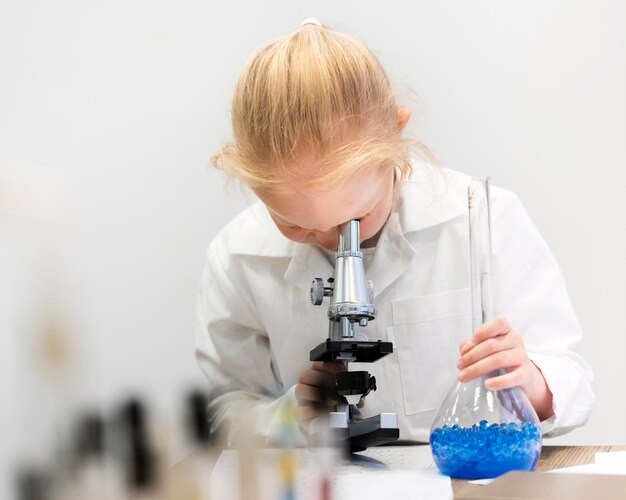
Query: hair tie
x: 311, y: 20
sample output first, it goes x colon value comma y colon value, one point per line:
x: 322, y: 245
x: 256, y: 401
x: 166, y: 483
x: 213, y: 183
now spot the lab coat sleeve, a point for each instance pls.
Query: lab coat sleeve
x: 533, y: 297
x: 233, y: 351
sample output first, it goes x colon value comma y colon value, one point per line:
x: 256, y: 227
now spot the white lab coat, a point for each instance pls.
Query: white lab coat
x: 256, y: 325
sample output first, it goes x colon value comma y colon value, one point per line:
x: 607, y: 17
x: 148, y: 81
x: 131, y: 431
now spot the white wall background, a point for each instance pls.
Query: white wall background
x: 109, y: 112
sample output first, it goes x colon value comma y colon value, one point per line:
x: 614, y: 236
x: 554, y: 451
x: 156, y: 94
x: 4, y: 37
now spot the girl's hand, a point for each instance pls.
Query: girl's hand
x: 314, y: 390
x: 496, y: 346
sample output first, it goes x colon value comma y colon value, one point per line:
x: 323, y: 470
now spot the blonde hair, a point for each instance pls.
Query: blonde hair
x: 317, y: 95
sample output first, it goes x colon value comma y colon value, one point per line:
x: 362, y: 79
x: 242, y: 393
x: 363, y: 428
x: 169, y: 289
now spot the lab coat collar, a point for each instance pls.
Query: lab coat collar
x: 254, y: 233
x: 430, y: 197
x: 392, y: 257
x: 308, y: 262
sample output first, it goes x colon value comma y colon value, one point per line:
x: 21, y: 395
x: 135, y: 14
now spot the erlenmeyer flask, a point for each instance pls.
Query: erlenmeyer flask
x: 482, y: 433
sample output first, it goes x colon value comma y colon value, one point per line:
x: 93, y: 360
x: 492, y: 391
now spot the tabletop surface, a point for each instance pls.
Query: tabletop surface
x: 554, y: 457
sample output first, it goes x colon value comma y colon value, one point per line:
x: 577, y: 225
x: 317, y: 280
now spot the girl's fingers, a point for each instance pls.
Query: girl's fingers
x: 332, y: 367
x: 493, y: 328
x: 465, y: 346
x: 314, y: 377
x: 305, y: 414
x: 309, y: 408
x: 513, y: 378
x: 502, y: 359
x: 315, y: 388
x: 308, y: 394
x: 487, y: 348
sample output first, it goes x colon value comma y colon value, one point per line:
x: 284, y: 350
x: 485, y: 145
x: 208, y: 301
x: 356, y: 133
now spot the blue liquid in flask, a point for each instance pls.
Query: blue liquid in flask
x: 485, y: 450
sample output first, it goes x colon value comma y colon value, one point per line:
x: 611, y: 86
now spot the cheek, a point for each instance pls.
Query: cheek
x: 297, y: 235
x: 371, y: 225
x: 367, y: 230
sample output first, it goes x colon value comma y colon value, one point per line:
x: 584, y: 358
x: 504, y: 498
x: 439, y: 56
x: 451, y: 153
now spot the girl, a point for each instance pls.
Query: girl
x: 318, y: 136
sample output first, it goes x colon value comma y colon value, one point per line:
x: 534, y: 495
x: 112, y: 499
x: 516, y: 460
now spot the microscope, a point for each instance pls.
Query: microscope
x: 351, y: 297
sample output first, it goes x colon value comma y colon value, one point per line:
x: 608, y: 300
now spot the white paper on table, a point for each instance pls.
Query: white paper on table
x: 612, y: 462
x: 484, y: 481
x: 612, y: 458
x: 409, y: 485
x: 404, y: 472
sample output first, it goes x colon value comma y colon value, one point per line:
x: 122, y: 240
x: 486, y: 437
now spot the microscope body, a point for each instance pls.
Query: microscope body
x: 351, y: 302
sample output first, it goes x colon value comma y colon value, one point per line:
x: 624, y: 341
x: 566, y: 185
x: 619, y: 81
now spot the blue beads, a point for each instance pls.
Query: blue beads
x: 485, y: 450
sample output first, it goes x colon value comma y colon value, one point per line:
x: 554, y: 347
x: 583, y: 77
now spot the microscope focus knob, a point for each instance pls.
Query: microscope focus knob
x: 317, y: 291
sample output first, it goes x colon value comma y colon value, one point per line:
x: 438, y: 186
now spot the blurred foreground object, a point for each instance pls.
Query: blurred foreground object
x: 43, y: 373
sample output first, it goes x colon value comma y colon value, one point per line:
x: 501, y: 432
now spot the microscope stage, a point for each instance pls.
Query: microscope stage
x: 361, y: 351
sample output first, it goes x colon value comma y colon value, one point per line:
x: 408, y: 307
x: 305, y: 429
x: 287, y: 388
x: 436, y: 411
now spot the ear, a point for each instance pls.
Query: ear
x: 403, y: 117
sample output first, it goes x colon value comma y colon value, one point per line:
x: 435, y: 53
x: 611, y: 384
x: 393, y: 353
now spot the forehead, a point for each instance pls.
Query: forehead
x: 322, y: 208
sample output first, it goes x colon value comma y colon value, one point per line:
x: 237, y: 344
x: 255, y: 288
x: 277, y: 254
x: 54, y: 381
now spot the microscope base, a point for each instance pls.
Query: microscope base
x: 374, y: 437
x: 373, y: 431
x: 358, y: 435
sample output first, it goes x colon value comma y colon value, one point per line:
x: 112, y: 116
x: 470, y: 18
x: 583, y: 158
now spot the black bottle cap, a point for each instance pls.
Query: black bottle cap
x: 197, y: 421
x: 90, y: 440
x: 137, y: 455
x: 33, y: 484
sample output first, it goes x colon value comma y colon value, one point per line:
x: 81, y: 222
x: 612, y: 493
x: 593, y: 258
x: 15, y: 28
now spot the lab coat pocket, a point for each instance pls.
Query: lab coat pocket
x: 426, y: 333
